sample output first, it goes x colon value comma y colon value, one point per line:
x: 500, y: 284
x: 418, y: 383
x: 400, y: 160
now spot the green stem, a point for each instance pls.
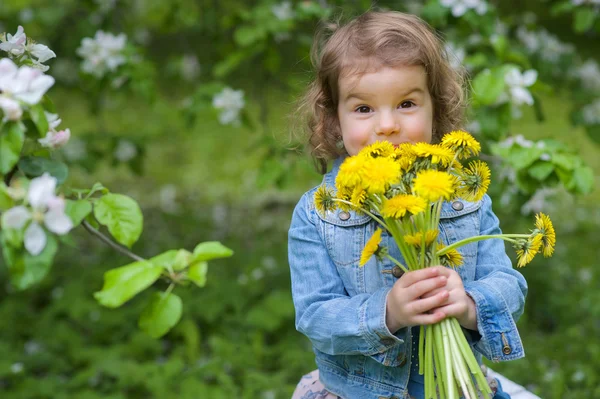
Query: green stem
x: 505, y: 237
x: 396, y: 262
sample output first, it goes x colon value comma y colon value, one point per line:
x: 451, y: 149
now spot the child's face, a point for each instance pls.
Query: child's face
x: 391, y: 104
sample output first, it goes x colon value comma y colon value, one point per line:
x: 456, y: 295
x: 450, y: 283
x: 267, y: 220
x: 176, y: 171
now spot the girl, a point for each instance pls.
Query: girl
x: 385, y: 76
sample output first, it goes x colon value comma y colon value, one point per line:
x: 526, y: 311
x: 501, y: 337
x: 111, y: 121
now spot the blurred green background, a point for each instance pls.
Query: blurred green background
x: 151, y: 131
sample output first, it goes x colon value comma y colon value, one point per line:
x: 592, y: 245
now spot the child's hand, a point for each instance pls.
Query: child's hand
x: 458, y: 304
x: 411, y: 301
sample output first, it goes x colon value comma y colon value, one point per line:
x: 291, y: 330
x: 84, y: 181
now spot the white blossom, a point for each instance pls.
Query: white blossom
x: 11, y: 109
x: 20, y: 85
x: 591, y: 113
x: 538, y: 201
x: 103, y: 53
x: 460, y: 7
x: 17, y: 368
x: 55, y: 139
x: 125, y: 151
x: 518, y: 83
x: 518, y: 139
x: 230, y: 102
x: 14, y: 44
x: 589, y: 74
x: 283, y: 11
x: 46, y: 209
x: 18, y: 46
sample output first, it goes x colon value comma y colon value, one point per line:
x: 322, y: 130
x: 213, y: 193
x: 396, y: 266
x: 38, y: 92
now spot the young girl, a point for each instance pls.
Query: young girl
x: 385, y: 76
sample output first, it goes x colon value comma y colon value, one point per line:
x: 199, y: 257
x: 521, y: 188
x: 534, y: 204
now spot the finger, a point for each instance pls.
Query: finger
x: 424, y: 319
x: 435, y: 291
x: 412, y: 277
x: 426, y: 305
x: 420, y: 288
x: 451, y: 310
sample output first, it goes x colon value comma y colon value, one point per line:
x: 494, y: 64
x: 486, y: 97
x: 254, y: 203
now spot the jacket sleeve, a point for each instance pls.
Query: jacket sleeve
x: 335, y: 323
x: 499, y: 293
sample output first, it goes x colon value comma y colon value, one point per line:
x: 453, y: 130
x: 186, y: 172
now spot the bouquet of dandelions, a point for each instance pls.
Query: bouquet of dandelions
x: 403, y: 188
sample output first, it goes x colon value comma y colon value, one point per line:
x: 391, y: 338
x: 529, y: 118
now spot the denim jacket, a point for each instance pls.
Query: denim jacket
x: 341, y: 307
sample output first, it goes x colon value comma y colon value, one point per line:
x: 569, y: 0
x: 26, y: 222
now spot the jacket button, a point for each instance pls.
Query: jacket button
x: 402, y: 359
x: 387, y: 341
x: 344, y: 215
x: 397, y: 272
x: 457, y: 206
x: 507, y: 350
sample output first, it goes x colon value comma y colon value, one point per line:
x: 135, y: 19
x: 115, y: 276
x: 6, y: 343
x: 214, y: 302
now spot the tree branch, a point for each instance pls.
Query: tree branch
x: 110, y: 243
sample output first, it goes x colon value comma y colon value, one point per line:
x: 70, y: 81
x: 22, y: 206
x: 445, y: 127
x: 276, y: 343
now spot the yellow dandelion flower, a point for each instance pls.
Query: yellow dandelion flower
x: 462, y: 143
x: 476, y: 180
x: 526, y: 250
x: 379, y: 174
x: 546, y: 230
x: 404, y: 155
x: 324, y: 199
x: 398, y: 206
x: 417, y: 238
x: 371, y: 247
x: 433, y: 185
x: 378, y: 149
x: 438, y: 153
x: 452, y: 258
x: 350, y: 173
x: 358, y: 198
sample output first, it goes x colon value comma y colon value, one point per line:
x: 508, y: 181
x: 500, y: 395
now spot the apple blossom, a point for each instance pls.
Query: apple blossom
x: 518, y: 82
x: 230, y: 102
x: 103, y: 53
x: 460, y: 7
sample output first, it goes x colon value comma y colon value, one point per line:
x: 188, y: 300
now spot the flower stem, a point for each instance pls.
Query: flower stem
x: 390, y: 257
x: 505, y: 237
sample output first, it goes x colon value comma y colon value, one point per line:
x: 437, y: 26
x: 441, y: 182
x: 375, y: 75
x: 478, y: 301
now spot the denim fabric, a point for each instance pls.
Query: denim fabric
x: 341, y: 308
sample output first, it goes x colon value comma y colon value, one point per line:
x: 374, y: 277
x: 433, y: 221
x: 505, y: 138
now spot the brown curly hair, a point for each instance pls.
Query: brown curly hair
x: 371, y: 41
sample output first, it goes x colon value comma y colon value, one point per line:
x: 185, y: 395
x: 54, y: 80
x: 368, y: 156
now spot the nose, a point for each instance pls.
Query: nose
x: 388, y: 124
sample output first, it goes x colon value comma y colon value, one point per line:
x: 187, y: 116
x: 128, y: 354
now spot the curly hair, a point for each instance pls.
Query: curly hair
x: 372, y: 41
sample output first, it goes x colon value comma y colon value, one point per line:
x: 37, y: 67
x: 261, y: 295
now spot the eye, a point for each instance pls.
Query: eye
x: 407, y: 104
x: 363, y: 109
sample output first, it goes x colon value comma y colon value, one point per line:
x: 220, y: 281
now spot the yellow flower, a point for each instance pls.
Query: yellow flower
x: 452, y: 258
x: 546, y: 230
x: 358, y: 198
x: 404, y: 155
x: 438, y: 154
x: 526, y: 250
x: 350, y: 173
x: 462, y: 143
x: 371, y: 247
x: 416, y: 239
x: 379, y: 174
x: 396, y: 207
x: 378, y: 149
x: 433, y: 185
x: 476, y: 180
x: 324, y: 199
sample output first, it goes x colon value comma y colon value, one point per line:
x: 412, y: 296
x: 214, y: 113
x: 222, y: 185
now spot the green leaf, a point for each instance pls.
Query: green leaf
x: 584, y: 179
x: 584, y: 19
x: 123, y: 283
x: 37, y: 166
x: 12, y: 138
x: 25, y: 269
x: 6, y: 202
x: 122, y: 215
x: 173, y: 260
x: 161, y: 314
x: 564, y: 161
x: 36, y: 112
x: 210, y: 250
x: 78, y: 210
x: 197, y: 273
x: 487, y: 87
x: 541, y: 170
x: 500, y: 45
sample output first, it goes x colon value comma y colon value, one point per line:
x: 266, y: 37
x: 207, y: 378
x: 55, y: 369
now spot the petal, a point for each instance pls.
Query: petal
x: 58, y: 222
x: 41, y: 190
x: 35, y: 239
x: 15, y: 218
x: 521, y: 96
x: 41, y: 52
x: 513, y: 77
x: 529, y: 77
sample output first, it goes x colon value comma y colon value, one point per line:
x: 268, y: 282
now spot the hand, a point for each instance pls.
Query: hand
x: 410, y: 301
x: 458, y: 304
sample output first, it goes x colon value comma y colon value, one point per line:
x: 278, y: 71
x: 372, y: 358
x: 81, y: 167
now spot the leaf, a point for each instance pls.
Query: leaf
x: 584, y: 179
x: 161, y: 314
x: 25, y: 269
x: 78, y: 210
x: 6, y: 202
x: 210, y: 250
x: 564, y: 161
x: 583, y: 19
x: 12, y: 138
x: 541, y: 170
x: 487, y: 87
x: 36, y: 112
x: 197, y: 273
x: 122, y: 215
x: 174, y: 260
x: 123, y: 283
x: 36, y: 166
